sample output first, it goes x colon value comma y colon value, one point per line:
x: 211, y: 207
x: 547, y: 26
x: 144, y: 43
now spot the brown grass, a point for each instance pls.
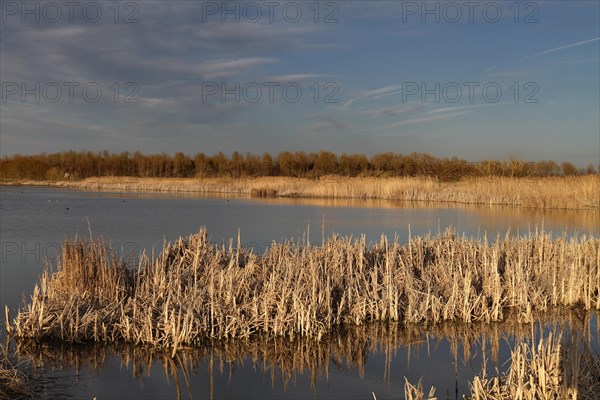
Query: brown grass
x: 581, y: 192
x: 195, y: 290
x: 543, y: 369
x: 14, y: 384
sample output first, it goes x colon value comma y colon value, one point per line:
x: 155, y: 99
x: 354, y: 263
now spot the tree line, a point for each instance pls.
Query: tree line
x: 85, y: 164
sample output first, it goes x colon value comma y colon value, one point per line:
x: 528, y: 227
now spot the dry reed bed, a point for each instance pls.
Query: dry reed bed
x: 553, y: 192
x: 195, y: 290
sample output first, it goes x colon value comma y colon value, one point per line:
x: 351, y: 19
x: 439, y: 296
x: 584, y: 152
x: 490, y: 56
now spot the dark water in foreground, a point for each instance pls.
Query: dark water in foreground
x: 355, y: 364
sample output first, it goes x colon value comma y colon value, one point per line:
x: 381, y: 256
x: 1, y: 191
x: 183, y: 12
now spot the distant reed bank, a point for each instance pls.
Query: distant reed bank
x: 573, y: 192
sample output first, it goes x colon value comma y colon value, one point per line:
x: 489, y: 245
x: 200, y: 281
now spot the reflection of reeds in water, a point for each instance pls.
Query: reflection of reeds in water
x: 14, y: 383
x: 348, y: 347
x: 195, y: 290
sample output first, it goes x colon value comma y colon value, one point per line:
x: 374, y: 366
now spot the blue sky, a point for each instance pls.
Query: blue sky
x: 478, y: 80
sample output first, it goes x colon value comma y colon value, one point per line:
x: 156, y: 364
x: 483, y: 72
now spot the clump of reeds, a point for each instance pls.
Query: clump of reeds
x: 415, y: 392
x: 544, y: 370
x: 196, y: 290
x: 14, y: 384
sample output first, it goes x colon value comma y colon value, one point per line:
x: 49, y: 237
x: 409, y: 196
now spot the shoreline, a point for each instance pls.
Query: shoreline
x: 577, y: 193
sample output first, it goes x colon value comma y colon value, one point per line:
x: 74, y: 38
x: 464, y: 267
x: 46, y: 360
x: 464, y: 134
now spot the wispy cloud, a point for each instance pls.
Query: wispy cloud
x: 559, y: 48
x: 294, y: 77
x: 373, y: 94
x: 172, y: 52
x: 409, y: 108
x: 427, y: 118
x: 228, y: 68
x: 413, y: 121
x: 544, y: 52
x: 447, y: 109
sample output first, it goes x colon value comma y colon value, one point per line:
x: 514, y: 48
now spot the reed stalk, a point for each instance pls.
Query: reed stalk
x: 14, y: 383
x: 195, y: 290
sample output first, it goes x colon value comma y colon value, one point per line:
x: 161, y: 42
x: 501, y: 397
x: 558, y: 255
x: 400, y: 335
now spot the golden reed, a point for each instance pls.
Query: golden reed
x: 195, y: 290
x: 546, y: 368
x: 576, y: 192
x: 14, y: 383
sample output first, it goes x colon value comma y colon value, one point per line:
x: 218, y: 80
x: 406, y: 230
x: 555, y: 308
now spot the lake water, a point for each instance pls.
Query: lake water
x: 35, y: 221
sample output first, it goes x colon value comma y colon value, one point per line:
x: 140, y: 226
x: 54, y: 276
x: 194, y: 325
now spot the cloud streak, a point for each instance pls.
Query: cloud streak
x: 544, y: 52
x: 409, y: 108
x: 559, y: 48
x: 427, y: 118
x: 373, y: 94
x: 446, y: 109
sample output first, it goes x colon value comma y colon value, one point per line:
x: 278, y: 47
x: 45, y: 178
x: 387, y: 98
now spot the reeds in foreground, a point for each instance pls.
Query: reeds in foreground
x: 543, y: 371
x: 14, y: 384
x: 195, y: 290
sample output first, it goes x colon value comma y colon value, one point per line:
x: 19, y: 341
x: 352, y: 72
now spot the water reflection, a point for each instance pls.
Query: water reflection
x: 352, y: 364
x: 517, y: 218
x: 447, y: 356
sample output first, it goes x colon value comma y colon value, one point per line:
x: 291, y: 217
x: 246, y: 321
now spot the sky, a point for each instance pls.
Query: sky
x: 476, y: 80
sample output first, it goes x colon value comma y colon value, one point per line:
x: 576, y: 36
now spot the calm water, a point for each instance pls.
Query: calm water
x: 34, y: 221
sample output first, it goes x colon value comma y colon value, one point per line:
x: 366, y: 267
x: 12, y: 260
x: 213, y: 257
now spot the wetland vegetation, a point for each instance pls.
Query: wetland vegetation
x: 414, y: 177
x: 196, y: 290
x: 297, y: 307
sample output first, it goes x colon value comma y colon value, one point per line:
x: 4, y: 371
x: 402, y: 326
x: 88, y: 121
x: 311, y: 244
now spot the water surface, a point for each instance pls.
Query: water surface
x: 36, y: 220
